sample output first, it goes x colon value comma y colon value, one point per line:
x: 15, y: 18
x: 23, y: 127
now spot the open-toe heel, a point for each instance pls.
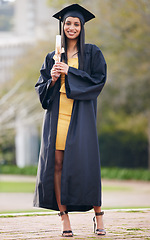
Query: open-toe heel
x: 66, y: 233
x: 98, y: 231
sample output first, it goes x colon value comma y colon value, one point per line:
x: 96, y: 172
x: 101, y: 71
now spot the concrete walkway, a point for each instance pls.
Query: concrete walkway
x: 115, y: 194
x: 118, y: 224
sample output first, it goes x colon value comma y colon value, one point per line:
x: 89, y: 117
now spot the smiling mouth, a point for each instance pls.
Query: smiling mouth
x: 71, y: 33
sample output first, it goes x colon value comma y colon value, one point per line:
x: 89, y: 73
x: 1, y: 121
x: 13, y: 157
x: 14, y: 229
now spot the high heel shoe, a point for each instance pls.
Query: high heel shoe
x: 65, y: 233
x: 98, y: 231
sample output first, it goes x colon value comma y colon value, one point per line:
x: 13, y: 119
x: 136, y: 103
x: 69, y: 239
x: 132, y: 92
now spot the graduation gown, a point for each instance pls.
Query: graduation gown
x: 81, y: 179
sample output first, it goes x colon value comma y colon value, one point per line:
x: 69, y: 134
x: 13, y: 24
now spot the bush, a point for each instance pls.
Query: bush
x: 126, y: 174
x: 123, y: 149
x: 7, y: 148
x: 12, y: 169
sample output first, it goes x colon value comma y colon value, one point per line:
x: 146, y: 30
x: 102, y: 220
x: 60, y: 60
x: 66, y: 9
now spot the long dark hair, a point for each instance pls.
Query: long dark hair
x: 80, y: 45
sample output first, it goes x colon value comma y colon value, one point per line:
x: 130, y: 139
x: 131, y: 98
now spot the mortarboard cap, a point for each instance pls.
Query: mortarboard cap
x: 74, y: 10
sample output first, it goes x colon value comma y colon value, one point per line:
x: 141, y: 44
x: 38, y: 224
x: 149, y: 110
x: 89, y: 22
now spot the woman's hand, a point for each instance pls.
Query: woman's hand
x: 62, y: 67
x: 57, y: 69
x: 54, y: 74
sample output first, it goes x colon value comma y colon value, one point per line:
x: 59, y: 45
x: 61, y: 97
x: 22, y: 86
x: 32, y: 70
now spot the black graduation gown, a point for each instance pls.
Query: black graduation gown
x: 81, y: 179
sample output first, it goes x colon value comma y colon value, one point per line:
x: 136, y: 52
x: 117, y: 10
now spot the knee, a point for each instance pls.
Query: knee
x: 58, y: 165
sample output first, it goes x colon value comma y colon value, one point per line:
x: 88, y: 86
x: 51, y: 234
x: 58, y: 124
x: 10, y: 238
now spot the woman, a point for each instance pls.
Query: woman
x: 68, y: 176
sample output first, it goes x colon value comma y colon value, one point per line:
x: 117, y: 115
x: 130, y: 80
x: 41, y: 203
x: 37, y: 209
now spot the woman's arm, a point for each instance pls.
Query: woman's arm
x: 82, y: 86
x: 46, y: 87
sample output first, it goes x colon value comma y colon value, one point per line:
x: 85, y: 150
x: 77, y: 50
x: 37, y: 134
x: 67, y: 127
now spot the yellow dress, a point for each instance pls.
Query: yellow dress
x: 65, y: 110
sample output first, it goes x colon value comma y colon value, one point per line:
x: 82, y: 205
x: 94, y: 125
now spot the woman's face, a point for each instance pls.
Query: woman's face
x: 72, y: 27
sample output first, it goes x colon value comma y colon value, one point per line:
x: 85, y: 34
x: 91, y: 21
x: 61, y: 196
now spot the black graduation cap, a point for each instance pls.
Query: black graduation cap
x: 73, y: 10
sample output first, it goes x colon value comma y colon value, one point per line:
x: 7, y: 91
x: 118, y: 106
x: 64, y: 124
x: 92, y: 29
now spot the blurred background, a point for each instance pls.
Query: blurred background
x: 122, y: 31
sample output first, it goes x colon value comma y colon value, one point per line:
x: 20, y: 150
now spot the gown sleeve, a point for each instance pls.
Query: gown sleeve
x: 83, y: 86
x: 45, y: 92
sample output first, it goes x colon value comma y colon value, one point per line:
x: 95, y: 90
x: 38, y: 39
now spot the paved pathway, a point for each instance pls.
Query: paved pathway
x: 116, y: 194
x: 119, y: 225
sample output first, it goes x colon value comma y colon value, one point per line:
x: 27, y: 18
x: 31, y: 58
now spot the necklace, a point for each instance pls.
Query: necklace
x: 73, y: 55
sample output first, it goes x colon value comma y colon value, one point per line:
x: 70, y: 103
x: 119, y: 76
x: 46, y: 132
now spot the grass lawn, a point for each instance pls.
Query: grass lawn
x: 116, y: 188
x: 17, y: 187
x: 29, y: 187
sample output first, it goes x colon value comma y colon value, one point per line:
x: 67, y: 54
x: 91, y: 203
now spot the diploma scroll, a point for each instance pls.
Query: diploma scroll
x: 58, y: 49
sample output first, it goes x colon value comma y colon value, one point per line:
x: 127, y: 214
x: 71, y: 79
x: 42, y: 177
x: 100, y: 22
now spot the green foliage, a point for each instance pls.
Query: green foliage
x: 123, y: 139
x: 127, y: 92
x: 28, y: 67
x: 123, y: 148
x: 12, y: 169
x: 25, y: 99
x: 7, y: 148
x: 125, y: 173
x: 128, y: 33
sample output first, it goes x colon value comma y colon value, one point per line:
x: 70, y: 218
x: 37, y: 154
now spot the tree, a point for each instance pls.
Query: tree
x: 129, y: 52
x: 18, y: 99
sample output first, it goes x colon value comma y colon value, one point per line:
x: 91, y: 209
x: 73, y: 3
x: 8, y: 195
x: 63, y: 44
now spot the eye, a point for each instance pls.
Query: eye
x: 67, y: 23
x: 76, y: 24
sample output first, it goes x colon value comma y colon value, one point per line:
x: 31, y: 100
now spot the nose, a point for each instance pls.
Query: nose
x: 71, y: 26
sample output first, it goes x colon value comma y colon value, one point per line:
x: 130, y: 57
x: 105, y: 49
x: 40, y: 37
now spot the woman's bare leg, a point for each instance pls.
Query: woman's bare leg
x: 99, y: 219
x: 59, y: 156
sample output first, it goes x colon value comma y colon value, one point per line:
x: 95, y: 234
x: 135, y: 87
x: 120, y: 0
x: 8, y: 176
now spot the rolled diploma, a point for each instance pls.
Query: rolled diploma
x: 58, y: 48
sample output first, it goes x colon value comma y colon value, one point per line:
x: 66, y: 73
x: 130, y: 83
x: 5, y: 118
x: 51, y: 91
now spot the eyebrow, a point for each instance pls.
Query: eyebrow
x: 70, y: 21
